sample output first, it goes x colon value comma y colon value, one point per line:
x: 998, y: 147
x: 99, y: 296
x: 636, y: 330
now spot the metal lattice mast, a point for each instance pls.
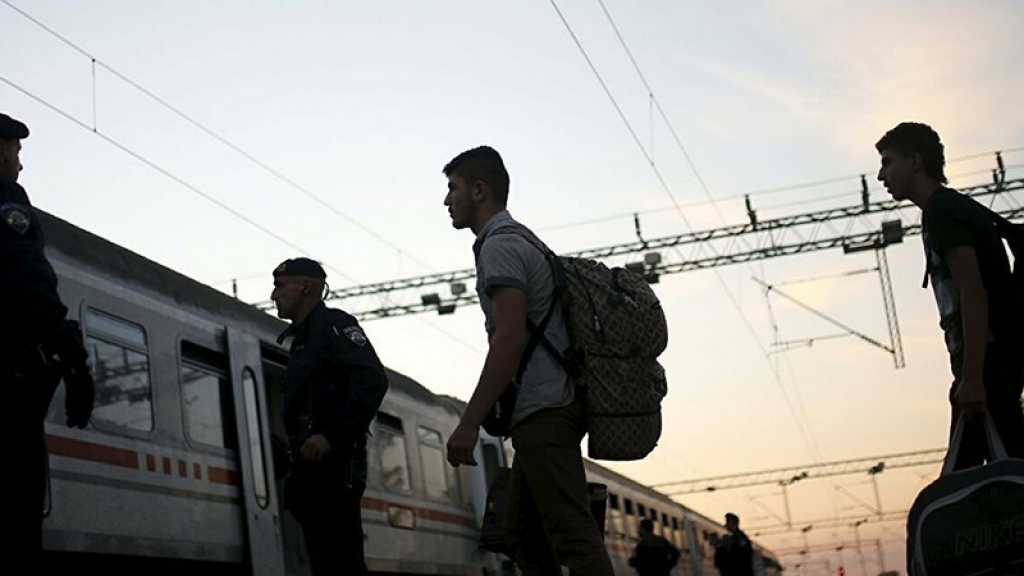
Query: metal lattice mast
x: 849, y: 227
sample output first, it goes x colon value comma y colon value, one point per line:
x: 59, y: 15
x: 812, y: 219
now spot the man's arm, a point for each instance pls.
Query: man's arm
x: 503, y: 355
x: 963, y: 265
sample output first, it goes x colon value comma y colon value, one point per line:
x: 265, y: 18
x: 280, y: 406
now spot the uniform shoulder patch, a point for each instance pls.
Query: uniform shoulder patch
x: 354, y: 334
x: 16, y: 218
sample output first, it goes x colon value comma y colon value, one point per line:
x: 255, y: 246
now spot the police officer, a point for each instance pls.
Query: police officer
x: 335, y: 384
x: 38, y: 348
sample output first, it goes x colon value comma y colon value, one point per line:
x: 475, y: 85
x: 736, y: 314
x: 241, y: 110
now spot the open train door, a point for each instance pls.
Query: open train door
x: 259, y: 495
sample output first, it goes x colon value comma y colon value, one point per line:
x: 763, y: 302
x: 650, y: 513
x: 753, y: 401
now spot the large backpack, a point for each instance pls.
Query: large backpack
x: 617, y: 330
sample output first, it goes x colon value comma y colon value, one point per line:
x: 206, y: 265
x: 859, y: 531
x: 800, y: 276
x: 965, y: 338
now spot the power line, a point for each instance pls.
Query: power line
x: 195, y: 189
x: 773, y: 191
x: 792, y: 474
x: 803, y: 427
x: 167, y: 173
x: 263, y: 165
x: 216, y: 136
x: 826, y: 523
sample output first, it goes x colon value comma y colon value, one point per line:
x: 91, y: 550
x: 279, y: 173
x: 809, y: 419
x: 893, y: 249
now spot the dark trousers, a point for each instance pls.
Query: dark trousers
x: 549, y: 519
x: 25, y: 451
x: 1004, y: 383
x: 326, y: 500
x: 334, y: 536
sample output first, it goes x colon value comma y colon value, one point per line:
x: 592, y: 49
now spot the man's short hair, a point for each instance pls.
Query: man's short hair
x: 911, y: 138
x: 732, y: 517
x: 646, y: 524
x: 482, y: 163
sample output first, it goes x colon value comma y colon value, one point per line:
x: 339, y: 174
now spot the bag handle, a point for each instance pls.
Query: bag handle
x: 996, y: 448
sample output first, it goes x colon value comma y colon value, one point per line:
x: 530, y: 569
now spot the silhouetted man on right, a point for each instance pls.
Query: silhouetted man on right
x: 734, y: 555
x: 969, y: 271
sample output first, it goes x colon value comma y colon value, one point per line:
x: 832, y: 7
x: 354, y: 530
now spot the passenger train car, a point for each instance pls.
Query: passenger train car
x: 176, y: 469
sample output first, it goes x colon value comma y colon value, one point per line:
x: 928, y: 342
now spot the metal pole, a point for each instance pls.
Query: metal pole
x: 860, y: 549
x: 881, y: 555
x: 878, y: 498
x: 889, y: 305
x: 785, y: 499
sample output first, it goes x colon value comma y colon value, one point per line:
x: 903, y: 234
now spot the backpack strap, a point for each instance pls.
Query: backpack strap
x: 538, y: 334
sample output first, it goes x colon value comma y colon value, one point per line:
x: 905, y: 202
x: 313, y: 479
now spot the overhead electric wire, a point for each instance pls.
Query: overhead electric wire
x: 196, y: 190
x: 772, y: 191
x: 165, y: 172
x: 801, y: 426
x: 216, y: 136
x: 266, y: 167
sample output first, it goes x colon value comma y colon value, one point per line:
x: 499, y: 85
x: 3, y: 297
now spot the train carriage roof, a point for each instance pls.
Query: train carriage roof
x: 125, y: 266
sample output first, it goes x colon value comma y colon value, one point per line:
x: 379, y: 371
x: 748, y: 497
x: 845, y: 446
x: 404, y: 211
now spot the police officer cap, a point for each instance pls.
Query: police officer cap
x: 11, y: 129
x: 301, y: 267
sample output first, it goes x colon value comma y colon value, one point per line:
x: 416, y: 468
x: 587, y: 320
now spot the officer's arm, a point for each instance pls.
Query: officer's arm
x: 367, y: 382
x: 506, y: 349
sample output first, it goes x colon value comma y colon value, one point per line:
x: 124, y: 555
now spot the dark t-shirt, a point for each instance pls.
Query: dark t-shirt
x: 654, y: 556
x: 735, y: 555
x: 951, y: 220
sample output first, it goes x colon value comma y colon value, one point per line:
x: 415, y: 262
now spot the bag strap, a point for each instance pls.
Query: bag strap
x: 996, y: 448
x: 538, y: 332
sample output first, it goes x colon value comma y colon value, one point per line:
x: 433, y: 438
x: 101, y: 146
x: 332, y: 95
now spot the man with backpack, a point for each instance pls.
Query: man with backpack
x: 968, y: 268
x: 654, y: 555
x: 546, y: 418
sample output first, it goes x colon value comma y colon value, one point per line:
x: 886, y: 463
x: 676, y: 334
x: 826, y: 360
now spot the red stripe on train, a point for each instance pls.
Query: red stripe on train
x: 61, y: 446
x: 219, y: 475
x: 424, y: 513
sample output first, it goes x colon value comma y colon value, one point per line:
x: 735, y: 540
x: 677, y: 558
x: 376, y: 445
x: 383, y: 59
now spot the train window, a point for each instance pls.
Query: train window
x: 120, y: 363
x: 254, y: 425
x: 630, y: 528
x: 613, y: 501
x: 654, y: 515
x: 675, y: 523
x: 206, y: 394
x: 664, y: 519
x: 641, y: 511
x: 432, y: 457
x: 394, y: 464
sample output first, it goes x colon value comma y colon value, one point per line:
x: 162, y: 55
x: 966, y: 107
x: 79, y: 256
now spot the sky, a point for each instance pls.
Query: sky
x: 362, y: 103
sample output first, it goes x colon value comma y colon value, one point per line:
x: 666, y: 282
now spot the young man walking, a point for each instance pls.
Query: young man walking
x: 969, y: 272
x: 517, y: 291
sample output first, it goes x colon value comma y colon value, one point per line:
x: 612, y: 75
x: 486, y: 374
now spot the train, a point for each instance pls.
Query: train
x: 176, y: 469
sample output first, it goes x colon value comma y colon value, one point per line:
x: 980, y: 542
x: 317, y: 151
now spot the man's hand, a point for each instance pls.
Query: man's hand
x: 461, y: 445
x: 970, y: 396
x: 315, y: 448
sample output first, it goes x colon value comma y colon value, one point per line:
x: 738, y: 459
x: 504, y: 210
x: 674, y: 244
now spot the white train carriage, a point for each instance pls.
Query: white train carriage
x: 630, y: 502
x: 176, y: 466
x: 176, y: 469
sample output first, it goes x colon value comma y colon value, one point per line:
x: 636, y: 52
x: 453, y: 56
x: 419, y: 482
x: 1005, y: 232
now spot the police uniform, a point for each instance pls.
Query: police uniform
x: 335, y: 384
x: 38, y: 347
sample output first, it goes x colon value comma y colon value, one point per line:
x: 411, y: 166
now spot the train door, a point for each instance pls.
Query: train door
x: 260, y: 503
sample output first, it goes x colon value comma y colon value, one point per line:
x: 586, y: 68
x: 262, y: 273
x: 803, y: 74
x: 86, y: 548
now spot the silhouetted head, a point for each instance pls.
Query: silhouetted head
x: 646, y: 527
x: 477, y: 187
x: 732, y: 522
x: 299, y: 285
x: 12, y: 132
x: 912, y: 161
